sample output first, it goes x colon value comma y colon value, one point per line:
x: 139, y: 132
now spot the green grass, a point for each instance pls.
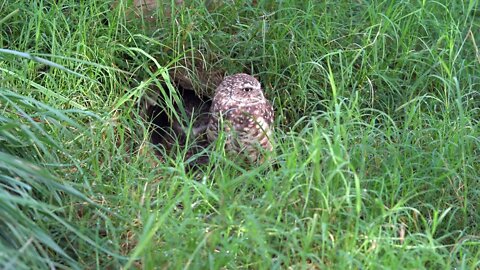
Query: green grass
x: 377, y: 162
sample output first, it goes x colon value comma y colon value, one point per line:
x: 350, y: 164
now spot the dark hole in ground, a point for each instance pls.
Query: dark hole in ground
x: 172, y: 137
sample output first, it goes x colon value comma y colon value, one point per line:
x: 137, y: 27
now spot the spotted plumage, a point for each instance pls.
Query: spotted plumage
x: 240, y: 109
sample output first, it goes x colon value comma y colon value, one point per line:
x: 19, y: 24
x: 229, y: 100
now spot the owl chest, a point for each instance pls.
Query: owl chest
x: 242, y: 118
x: 246, y: 127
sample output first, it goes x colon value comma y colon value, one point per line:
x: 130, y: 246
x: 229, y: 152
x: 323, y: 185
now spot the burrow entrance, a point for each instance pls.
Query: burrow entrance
x: 180, y: 129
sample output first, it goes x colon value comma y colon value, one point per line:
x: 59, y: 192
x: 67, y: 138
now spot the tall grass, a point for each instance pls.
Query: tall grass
x: 377, y: 136
x: 37, y: 207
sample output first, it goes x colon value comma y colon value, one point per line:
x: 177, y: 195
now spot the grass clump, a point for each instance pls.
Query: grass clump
x: 377, y: 133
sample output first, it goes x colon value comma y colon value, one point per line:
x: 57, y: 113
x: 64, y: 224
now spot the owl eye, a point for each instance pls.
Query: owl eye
x: 247, y: 89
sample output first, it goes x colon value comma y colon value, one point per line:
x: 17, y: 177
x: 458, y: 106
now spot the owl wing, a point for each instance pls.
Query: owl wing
x: 218, y: 113
x: 268, y: 113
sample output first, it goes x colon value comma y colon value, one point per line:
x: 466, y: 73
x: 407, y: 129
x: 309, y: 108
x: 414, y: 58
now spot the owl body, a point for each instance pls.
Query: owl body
x: 241, y: 111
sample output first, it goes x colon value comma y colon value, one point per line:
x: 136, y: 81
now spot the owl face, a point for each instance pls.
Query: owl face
x: 242, y: 87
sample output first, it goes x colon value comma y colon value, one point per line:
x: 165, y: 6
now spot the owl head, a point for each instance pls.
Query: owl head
x: 241, y: 87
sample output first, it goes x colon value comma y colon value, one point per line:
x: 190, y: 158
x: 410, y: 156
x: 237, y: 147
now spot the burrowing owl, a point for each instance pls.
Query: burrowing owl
x: 240, y: 109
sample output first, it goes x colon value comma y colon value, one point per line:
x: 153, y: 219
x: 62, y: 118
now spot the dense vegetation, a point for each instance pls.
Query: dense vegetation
x: 377, y: 160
